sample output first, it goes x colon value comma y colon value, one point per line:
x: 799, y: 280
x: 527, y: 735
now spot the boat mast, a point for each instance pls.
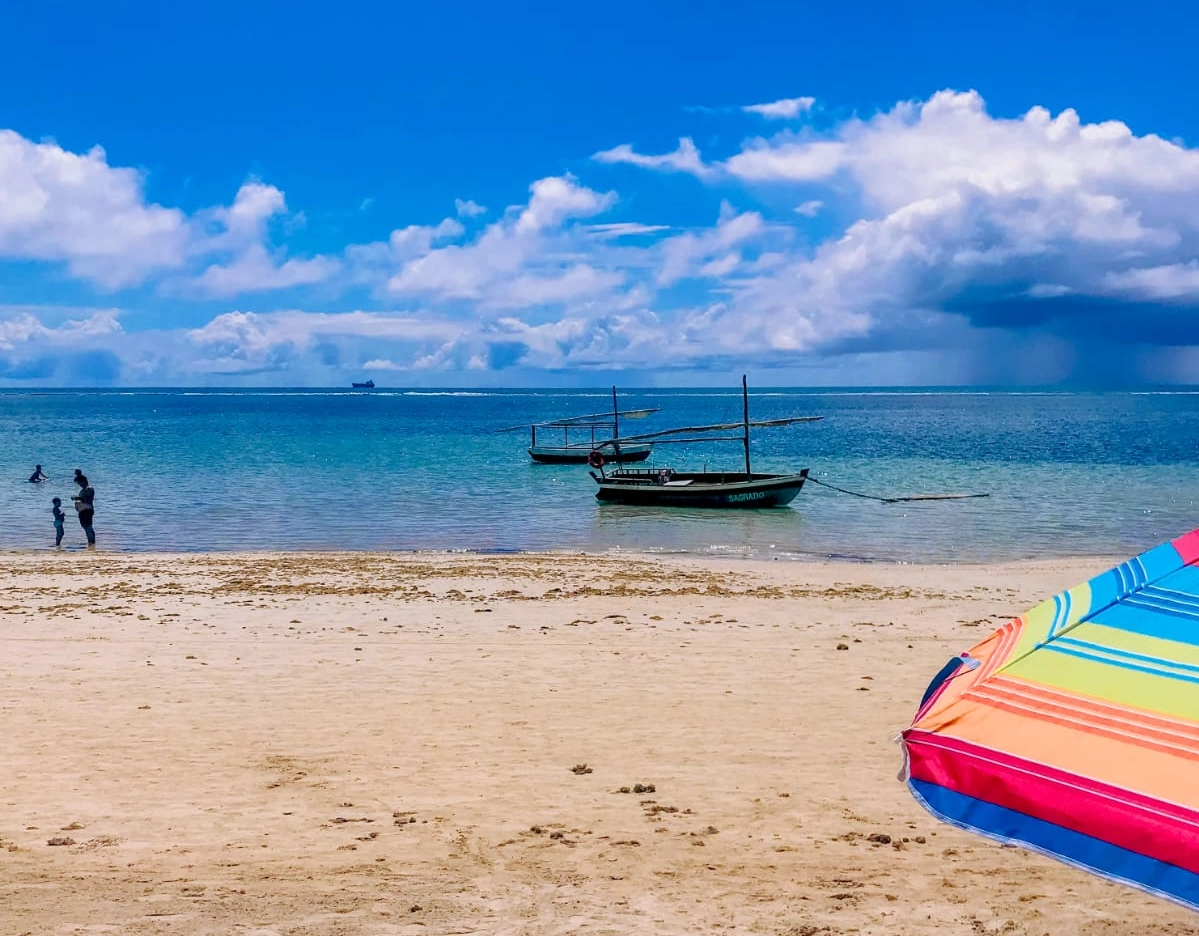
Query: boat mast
x: 615, y: 415
x: 745, y: 410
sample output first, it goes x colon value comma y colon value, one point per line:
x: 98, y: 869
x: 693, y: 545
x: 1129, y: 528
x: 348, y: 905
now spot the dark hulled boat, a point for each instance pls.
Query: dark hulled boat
x: 588, y: 431
x: 666, y: 487
x: 699, y: 489
x: 578, y: 454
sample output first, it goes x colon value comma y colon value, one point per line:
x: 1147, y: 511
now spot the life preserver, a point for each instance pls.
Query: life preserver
x: 596, y: 459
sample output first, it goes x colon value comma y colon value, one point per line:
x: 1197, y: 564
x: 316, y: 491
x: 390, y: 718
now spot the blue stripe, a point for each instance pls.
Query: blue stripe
x: 1127, y: 616
x: 1107, y: 661
x: 1058, y: 602
x: 1116, y: 584
x: 1160, y: 561
x: 1082, y: 851
x: 1155, y: 597
x: 1162, y: 593
x: 1106, y: 651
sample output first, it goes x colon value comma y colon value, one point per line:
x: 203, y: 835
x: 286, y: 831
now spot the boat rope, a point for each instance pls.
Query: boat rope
x: 894, y: 500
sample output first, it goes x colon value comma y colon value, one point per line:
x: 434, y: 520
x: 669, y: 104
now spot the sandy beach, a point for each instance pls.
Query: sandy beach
x: 283, y: 745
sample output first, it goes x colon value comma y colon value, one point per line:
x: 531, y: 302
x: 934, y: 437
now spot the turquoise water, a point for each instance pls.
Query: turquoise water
x: 1067, y: 473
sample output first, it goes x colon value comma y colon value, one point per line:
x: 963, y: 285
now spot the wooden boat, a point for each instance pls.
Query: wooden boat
x: 578, y: 454
x: 367, y: 385
x: 665, y: 487
x: 588, y: 431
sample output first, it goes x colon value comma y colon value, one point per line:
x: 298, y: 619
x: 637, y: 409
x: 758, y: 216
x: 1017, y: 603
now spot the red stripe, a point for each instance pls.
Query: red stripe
x: 1179, y: 744
x: 1188, y: 547
x: 1163, y: 831
x: 1040, y: 693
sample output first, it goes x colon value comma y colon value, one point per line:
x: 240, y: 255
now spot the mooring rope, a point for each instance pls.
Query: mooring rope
x: 894, y: 500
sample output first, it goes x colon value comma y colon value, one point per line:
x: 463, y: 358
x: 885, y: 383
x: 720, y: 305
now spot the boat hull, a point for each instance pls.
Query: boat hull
x: 578, y: 454
x: 695, y: 489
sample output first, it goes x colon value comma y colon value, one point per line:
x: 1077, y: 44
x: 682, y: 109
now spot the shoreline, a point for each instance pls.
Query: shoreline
x: 1103, y: 561
x: 530, y: 744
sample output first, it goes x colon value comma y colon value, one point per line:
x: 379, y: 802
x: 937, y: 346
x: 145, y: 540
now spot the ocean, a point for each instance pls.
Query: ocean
x: 1067, y: 473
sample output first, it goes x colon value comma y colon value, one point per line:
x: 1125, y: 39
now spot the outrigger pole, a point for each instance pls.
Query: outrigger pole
x: 745, y: 412
x: 615, y: 416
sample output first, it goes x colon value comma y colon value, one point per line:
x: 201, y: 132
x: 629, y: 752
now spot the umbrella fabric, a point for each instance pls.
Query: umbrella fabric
x: 1074, y: 729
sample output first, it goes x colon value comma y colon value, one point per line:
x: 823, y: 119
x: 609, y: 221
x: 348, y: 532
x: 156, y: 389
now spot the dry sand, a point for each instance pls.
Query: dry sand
x: 378, y: 744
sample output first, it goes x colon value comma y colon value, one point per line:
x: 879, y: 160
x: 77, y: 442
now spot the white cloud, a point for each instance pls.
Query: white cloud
x: 786, y: 108
x: 972, y: 214
x: 624, y: 229
x: 61, y: 206
x: 557, y: 198
x: 254, y: 204
x: 1169, y: 281
x: 56, y: 205
x: 299, y: 340
x: 468, y: 208
x: 533, y: 256
x: 381, y: 364
x: 417, y: 239
x: 242, y: 236
x: 772, y: 161
x: 254, y: 270
x: 684, y: 159
x: 25, y: 328
x: 710, y: 253
x: 809, y: 209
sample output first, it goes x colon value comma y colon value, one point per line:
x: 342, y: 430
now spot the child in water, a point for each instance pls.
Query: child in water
x: 59, y: 517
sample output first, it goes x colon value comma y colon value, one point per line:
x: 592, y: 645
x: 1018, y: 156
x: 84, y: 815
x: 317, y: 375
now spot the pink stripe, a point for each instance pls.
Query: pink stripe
x: 1163, y: 831
x: 1188, y: 547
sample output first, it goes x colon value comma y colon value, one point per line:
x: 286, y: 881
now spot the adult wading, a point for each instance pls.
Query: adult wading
x: 85, y: 504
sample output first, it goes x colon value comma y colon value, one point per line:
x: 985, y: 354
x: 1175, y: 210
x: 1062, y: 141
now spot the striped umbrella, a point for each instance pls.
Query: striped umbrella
x: 1074, y: 729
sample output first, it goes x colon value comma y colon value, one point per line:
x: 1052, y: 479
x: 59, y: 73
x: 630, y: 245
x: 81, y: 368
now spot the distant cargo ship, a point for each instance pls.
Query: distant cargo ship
x: 369, y: 385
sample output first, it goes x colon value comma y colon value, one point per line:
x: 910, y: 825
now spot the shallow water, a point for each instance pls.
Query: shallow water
x: 1066, y: 473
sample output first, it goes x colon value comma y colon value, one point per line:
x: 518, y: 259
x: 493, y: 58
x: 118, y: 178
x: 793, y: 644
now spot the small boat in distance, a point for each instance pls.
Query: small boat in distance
x: 588, y: 430
x: 666, y: 487
x: 367, y: 385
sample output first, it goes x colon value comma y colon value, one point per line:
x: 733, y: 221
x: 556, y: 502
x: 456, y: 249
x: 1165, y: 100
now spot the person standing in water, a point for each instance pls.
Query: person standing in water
x: 38, y: 475
x: 85, y: 504
x: 59, y: 519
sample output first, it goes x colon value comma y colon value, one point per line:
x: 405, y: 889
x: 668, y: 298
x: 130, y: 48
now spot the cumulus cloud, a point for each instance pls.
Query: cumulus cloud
x: 1009, y: 222
x: 23, y: 328
x: 557, y: 198
x: 240, y: 233
x: 255, y: 270
x: 75, y: 208
x: 712, y: 253
x: 533, y: 256
x: 785, y: 108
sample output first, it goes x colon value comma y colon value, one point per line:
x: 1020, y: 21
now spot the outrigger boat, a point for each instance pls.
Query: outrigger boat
x: 588, y: 431
x: 666, y: 487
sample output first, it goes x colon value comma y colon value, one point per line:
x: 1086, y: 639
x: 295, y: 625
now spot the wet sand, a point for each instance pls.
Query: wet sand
x: 283, y: 745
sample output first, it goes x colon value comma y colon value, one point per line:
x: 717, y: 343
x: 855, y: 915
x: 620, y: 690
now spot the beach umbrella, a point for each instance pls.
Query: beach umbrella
x: 1074, y: 729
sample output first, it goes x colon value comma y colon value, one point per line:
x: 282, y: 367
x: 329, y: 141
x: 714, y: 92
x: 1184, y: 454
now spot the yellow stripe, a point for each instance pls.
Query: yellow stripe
x: 1145, y: 691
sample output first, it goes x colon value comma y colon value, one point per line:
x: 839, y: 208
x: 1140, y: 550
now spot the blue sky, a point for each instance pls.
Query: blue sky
x: 525, y: 194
